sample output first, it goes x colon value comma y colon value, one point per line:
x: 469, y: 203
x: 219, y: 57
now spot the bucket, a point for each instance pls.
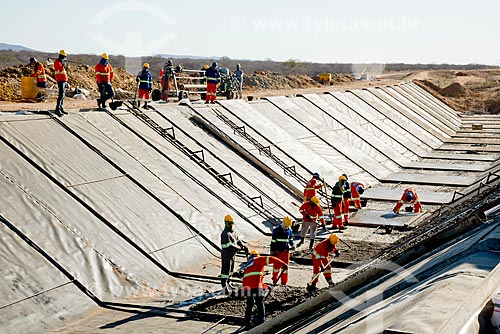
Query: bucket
x: 495, y: 317
x: 28, y: 87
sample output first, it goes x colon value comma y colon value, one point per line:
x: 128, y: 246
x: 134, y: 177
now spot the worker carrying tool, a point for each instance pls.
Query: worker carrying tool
x: 230, y: 245
x: 212, y: 75
x: 62, y: 81
x: 104, y: 76
x: 339, y: 189
x: 167, y: 78
x: 281, y: 245
x: 409, y: 197
x: 145, y: 81
x: 311, y: 186
x: 320, y: 260
x: 238, y: 74
x: 311, y: 211
x: 253, y: 288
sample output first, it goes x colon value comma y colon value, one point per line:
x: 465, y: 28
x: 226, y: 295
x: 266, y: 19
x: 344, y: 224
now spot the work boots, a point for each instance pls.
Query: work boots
x: 311, y: 244
x: 301, y: 242
x: 311, y: 287
x: 330, y: 282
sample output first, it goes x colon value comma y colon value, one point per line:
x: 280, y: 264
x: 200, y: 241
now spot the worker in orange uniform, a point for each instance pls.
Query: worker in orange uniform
x: 145, y: 81
x: 311, y: 186
x: 38, y: 73
x: 104, y: 75
x: 62, y: 81
x: 340, y: 188
x: 253, y: 274
x: 311, y: 211
x: 212, y: 75
x: 321, y: 262
x: 409, y: 197
x: 281, y: 245
x: 230, y: 245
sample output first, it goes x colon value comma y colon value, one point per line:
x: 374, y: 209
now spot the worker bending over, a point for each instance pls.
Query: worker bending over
x: 311, y: 186
x: 230, y: 245
x: 321, y: 262
x: 281, y: 245
x: 253, y: 274
x: 340, y: 188
x: 353, y: 194
x: 39, y: 74
x: 311, y: 211
x: 409, y: 197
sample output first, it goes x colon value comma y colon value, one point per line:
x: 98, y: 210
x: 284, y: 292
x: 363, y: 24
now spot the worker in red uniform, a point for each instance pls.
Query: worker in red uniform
x: 104, y: 75
x: 145, y: 81
x: 409, y: 197
x: 311, y: 186
x: 253, y: 274
x: 321, y: 261
x: 339, y: 189
x: 353, y: 194
x: 212, y: 76
x: 311, y: 211
x: 62, y: 81
x: 281, y: 245
x: 38, y: 73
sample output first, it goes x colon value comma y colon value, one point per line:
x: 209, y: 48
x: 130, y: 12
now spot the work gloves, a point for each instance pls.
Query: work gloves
x: 308, y: 216
x: 337, y: 253
x: 137, y: 79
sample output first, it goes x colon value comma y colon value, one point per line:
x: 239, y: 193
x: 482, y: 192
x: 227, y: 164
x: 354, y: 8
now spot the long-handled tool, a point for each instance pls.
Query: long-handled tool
x: 327, y: 200
x: 135, y: 95
x: 345, y: 243
x: 322, y: 269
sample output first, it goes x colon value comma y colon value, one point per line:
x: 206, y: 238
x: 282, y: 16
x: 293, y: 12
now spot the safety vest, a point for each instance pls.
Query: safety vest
x: 281, y: 239
x: 59, y: 71
x: 315, y: 213
x: 311, y: 186
x: 39, y: 73
x: 145, y: 80
x: 339, y: 190
x: 103, y: 73
x: 323, y: 249
x: 212, y: 75
x: 253, y: 271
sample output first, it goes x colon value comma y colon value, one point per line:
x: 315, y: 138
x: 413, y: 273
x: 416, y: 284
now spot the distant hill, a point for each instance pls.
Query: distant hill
x: 5, y: 46
x: 163, y: 55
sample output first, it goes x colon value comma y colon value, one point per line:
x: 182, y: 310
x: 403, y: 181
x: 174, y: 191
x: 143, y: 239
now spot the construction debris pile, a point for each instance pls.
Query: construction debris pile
x: 467, y: 91
x: 262, y: 80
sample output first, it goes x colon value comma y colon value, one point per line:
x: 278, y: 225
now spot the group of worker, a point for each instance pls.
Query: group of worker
x: 253, y: 270
x: 104, y: 77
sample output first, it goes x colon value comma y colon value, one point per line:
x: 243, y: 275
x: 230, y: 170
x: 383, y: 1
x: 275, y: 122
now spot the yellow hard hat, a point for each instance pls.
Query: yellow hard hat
x: 287, y: 221
x: 205, y: 67
x: 334, y: 239
x: 315, y: 200
x: 228, y: 218
x: 342, y: 178
x: 146, y: 65
x: 62, y: 52
x: 105, y: 56
x: 254, y: 252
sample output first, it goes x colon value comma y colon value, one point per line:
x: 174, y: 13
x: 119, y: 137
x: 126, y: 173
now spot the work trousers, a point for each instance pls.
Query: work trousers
x: 62, y: 85
x: 345, y: 209
x: 107, y: 92
x: 306, y: 226
x: 317, y: 263
x: 255, y: 297
x: 337, y: 212
x: 285, y: 257
x: 211, y: 91
x: 226, y: 268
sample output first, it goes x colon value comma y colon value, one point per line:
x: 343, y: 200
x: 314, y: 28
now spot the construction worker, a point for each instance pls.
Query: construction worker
x: 253, y: 274
x: 321, y: 262
x: 409, y: 197
x: 62, y: 81
x: 339, y: 189
x: 281, y: 245
x: 212, y: 76
x: 38, y: 73
x: 239, y: 77
x: 311, y: 211
x: 104, y: 75
x: 166, y: 76
x: 311, y: 186
x: 230, y: 245
x: 145, y: 81
x: 357, y: 189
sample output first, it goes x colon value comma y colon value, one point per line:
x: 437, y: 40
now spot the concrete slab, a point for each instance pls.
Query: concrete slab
x: 370, y: 218
x: 450, y: 111
x: 394, y: 194
x: 449, y: 180
x: 473, y: 140
x: 470, y: 148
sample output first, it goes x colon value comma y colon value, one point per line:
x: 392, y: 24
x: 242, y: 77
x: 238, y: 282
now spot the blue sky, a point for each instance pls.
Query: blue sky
x: 319, y: 31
